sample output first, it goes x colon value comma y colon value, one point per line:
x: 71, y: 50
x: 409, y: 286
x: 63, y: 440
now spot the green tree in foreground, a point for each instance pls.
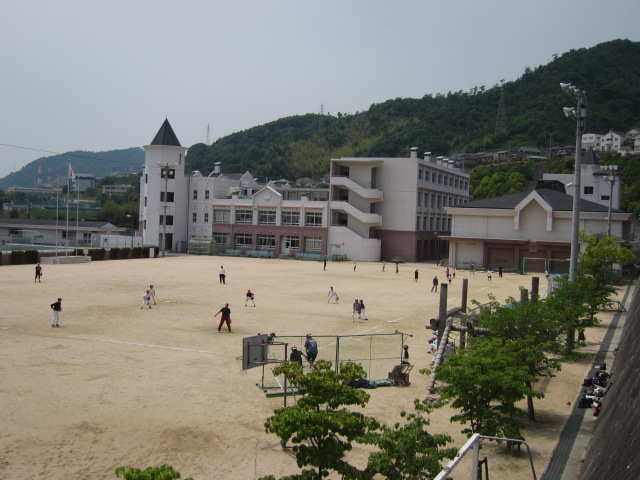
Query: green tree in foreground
x: 484, y: 383
x: 408, y: 451
x: 163, y: 472
x: 322, y: 431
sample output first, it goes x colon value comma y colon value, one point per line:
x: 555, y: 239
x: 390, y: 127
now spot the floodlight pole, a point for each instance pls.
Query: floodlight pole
x: 580, y: 115
x: 611, y: 180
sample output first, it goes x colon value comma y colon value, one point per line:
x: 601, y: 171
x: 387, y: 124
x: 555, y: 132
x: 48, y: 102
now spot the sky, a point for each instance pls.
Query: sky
x: 98, y: 76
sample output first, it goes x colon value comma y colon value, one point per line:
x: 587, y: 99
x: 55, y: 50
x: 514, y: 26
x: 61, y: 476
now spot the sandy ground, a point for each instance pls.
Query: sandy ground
x: 117, y: 385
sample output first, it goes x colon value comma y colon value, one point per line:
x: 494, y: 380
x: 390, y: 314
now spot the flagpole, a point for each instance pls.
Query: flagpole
x: 56, y: 240
x: 66, y: 240
x: 77, y: 214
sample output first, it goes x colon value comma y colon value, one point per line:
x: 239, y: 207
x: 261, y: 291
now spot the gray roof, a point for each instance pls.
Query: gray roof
x: 166, y: 136
x: 590, y: 158
x: 557, y: 200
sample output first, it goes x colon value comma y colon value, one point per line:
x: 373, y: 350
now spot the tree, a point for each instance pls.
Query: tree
x: 321, y: 431
x: 601, y: 254
x: 163, y: 472
x: 408, y: 451
x: 485, y: 382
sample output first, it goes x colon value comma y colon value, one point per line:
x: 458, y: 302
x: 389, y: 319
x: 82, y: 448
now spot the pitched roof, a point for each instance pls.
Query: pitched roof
x: 166, y: 136
x: 557, y: 201
x: 590, y: 158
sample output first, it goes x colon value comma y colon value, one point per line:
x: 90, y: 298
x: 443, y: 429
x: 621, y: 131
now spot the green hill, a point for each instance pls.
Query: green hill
x: 444, y: 123
x: 100, y: 164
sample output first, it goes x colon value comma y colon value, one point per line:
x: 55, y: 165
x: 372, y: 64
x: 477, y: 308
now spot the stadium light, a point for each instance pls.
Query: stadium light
x: 579, y: 113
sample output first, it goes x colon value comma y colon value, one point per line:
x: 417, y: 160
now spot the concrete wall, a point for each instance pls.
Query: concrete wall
x: 613, y: 451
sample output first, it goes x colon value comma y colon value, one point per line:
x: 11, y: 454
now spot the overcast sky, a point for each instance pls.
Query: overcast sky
x: 89, y: 75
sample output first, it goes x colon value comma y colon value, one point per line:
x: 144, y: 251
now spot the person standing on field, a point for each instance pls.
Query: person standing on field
x: 223, y: 275
x: 38, y: 273
x: 226, y: 317
x: 250, y: 297
x: 146, y: 299
x: 56, y: 308
x: 332, y: 294
x: 363, y: 310
x: 356, y: 309
x: 152, y: 294
x: 311, y: 347
x: 434, y: 288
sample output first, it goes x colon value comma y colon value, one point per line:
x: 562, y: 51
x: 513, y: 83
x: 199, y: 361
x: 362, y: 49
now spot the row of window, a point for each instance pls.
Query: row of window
x: 440, y: 178
x: 268, y: 217
x: 433, y: 223
x: 433, y: 200
x: 268, y: 242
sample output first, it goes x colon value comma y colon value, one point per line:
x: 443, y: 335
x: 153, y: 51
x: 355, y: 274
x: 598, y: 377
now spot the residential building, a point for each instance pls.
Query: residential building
x: 596, y: 184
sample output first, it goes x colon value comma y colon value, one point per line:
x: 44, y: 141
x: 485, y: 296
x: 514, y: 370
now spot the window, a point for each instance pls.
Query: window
x: 291, y: 218
x: 266, y: 242
x: 206, y: 218
x: 206, y: 194
x: 313, y: 219
x: 433, y: 177
x: 170, y: 196
x: 221, y: 216
x: 244, y: 240
x: 292, y: 243
x: 145, y: 201
x: 419, y: 174
x: 312, y: 244
x: 588, y: 190
x: 194, y: 217
x: 169, y: 220
x: 222, y: 239
x: 604, y: 197
x: 266, y: 217
x: 244, y: 216
x: 195, y: 194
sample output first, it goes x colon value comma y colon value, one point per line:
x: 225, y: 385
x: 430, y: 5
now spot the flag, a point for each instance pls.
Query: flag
x: 71, y: 174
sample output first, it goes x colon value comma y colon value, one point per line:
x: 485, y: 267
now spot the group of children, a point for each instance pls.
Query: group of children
x: 149, y: 294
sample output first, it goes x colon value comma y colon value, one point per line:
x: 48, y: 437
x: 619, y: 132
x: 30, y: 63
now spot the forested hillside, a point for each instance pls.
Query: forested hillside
x: 100, y: 164
x: 444, y: 124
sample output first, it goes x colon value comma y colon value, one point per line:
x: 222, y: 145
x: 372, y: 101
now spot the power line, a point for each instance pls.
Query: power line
x: 66, y: 153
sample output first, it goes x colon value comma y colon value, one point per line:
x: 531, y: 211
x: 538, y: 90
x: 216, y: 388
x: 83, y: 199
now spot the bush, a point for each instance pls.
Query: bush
x: 139, y: 252
x: 96, y: 253
x: 20, y: 257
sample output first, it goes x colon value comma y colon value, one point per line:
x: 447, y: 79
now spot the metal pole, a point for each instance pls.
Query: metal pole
x: 612, y: 180
x: 164, y: 206
x: 575, y: 225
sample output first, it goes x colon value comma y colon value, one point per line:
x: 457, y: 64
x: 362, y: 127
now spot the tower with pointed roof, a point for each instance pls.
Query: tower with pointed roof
x: 164, y: 199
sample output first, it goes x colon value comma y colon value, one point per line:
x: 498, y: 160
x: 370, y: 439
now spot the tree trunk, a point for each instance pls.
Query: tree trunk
x: 530, y: 410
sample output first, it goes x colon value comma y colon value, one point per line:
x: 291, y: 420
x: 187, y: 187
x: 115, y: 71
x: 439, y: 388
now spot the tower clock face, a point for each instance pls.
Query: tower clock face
x: 267, y: 196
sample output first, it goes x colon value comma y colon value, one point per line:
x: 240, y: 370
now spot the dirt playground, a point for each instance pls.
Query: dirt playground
x: 117, y: 385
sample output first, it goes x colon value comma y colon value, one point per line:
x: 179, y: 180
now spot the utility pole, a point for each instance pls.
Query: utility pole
x: 167, y: 171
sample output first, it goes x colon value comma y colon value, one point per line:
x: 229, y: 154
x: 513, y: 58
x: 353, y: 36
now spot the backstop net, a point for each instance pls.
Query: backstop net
x: 377, y: 353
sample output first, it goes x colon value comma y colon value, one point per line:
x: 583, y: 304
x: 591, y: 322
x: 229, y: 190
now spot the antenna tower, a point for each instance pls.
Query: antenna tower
x: 501, y: 120
x: 321, y: 119
x: 208, y: 134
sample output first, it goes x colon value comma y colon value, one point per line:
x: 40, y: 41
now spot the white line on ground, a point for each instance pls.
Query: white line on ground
x: 146, y: 345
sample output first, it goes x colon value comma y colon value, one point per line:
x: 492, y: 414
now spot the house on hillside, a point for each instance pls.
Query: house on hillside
x: 595, y: 183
